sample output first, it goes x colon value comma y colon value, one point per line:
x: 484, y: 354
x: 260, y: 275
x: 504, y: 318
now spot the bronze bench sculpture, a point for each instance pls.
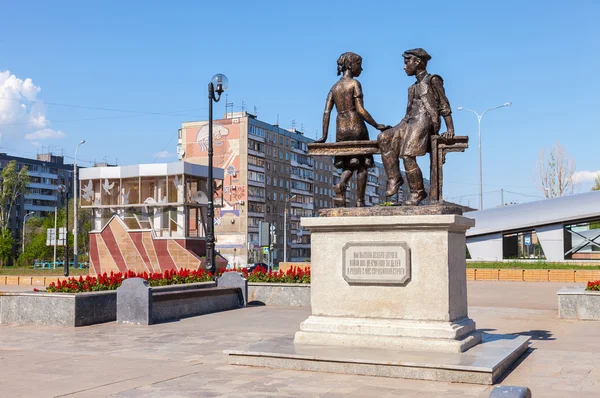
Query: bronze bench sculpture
x: 440, y: 146
x: 417, y: 133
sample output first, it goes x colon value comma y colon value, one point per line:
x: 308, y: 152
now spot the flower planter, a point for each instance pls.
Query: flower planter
x: 280, y: 294
x: 577, y: 303
x: 58, y: 309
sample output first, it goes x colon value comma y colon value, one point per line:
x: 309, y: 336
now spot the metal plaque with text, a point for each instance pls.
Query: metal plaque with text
x: 377, y: 263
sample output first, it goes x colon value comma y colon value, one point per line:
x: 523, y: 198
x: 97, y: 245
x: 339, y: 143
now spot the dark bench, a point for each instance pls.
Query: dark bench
x: 138, y: 303
x: 440, y: 146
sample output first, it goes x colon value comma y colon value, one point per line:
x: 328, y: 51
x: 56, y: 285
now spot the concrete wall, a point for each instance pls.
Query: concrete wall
x: 58, y: 309
x: 280, y: 294
x: 551, y: 238
x: 485, y: 247
x: 576, y: 303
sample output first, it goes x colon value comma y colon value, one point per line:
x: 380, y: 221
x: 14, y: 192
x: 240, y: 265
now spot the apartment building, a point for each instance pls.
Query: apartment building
x: 47, y: 172
x: 267, y: 173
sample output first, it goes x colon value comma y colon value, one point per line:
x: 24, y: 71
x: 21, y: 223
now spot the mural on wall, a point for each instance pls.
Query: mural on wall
x: 226, y: 146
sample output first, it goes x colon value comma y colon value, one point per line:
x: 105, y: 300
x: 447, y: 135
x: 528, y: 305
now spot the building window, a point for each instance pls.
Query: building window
x: 255, y: 176
x: 256, y: 207
x: 582, y: 241
x: 256, y: 192
x: 256, y: 146
x: 523, y: 244
x: 256, y: 161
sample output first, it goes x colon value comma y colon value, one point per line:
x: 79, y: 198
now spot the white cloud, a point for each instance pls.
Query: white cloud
x: 164, y: 155
x: 585, y: 176
x: 22, y: 115
x: 45, y: 134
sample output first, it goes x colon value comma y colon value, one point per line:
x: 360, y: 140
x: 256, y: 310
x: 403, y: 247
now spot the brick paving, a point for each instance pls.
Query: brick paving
x: 185, y: 359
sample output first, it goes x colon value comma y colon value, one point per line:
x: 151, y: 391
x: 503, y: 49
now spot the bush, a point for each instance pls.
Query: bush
x: 593, y: 286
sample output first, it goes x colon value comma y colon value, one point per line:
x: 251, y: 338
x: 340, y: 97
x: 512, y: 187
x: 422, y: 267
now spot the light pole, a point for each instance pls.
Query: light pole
x: 62, y: 189
x: 24, y: 220
x: 285, y: 227
x: 460, y: 108
x: 217, y: 84
x: 75, y: 220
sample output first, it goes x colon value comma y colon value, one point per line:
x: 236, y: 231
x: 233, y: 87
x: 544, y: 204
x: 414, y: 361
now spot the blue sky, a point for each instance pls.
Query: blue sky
x: 147, y: 64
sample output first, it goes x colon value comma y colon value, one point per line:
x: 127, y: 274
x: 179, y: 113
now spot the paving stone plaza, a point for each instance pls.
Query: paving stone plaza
x: 185, y: 358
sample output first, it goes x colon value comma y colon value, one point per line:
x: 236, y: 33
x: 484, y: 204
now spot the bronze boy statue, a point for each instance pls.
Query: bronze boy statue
x: 411, y: 137
x: 347, y: 97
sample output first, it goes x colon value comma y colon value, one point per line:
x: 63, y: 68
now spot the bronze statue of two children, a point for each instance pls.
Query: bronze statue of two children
x: 427, y: 103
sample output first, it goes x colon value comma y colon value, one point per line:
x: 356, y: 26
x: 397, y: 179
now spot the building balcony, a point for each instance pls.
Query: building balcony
x: 299, y: 151
x: 308, y: 206
x: 253, y: 167
x: 40, y: 185
x: 256, y: 198
x: 256, y: 153
x: 297, y: 164
x: 29, y: 207
x: 300, y: 191
x: 300, y: 245
x: 256, y: 183
x: 256, y: 137
x: 256, y: 214
x: 43, y: 174
x: 41, y: 197
x: 298, y: 178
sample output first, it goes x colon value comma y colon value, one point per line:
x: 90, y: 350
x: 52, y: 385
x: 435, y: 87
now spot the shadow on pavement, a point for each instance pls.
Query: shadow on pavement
x: 542, y: 335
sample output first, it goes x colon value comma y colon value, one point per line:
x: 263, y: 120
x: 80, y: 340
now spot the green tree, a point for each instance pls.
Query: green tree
x: 13, y: 184
x: 596, y: 186
x: 6, y: 244
x: 35, y: 236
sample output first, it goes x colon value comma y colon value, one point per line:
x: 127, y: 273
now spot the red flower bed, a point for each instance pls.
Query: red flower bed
x: 113, y: 281
x: 593, y: 286
x: 172, y: 277
x: 292, y: 275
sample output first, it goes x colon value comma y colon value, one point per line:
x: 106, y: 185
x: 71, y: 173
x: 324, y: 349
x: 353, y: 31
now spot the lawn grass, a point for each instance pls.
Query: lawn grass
x: 529, y: 265
x: 42, y: 271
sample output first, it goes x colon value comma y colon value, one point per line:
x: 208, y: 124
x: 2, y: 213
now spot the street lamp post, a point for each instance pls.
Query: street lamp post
x: 218, y: 84
x: 460, y: 108
x: 65, y: 193
x: 285, y: 228
x: 25, y: 220
x: 75, y: 219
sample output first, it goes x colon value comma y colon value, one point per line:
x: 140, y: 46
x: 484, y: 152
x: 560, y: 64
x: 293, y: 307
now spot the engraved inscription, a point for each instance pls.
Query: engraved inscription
x: 376, y: 263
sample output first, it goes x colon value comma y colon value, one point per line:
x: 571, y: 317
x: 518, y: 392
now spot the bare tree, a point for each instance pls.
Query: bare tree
x: 555, y: 172
x: 596, y: 186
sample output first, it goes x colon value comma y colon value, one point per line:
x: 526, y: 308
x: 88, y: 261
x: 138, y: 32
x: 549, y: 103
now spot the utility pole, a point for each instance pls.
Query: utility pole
x: 55, y: 235
x: 502, y: 197
x: 285, y: 226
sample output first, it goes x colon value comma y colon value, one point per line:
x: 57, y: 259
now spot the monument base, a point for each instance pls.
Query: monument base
x: 482, y: 364
x: 396, y: 334
x: 389, y: 298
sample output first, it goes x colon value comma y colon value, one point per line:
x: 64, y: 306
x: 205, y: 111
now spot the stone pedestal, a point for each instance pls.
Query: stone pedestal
x: 389, y: 281
x: 389, y: 298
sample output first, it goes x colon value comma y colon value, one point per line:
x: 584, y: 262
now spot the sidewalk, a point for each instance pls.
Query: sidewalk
x: 185, y: 359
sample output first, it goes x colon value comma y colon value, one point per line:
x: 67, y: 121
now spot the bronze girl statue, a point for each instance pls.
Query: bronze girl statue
x: 347, y: 97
